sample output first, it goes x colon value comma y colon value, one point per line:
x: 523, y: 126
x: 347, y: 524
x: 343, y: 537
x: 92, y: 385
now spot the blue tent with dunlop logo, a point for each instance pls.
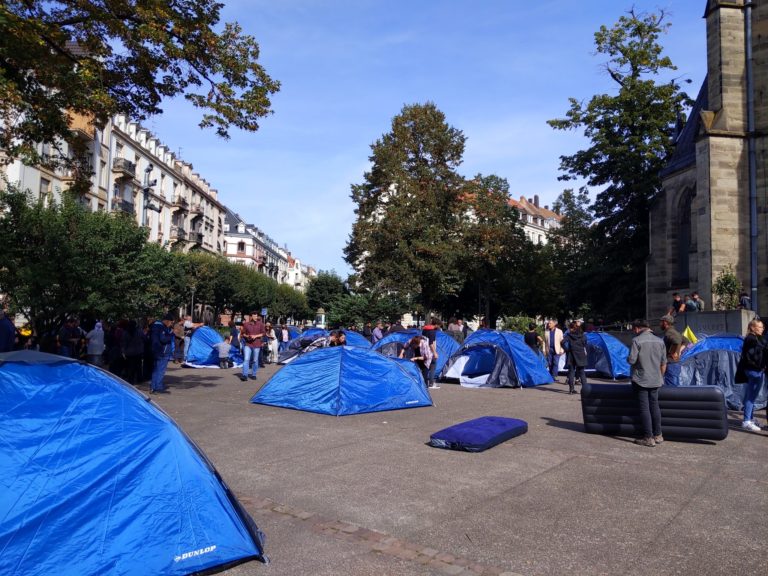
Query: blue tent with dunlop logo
x: 97, y: 479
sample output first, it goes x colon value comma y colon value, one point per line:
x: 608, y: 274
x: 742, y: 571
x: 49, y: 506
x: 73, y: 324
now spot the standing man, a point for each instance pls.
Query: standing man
x: 430, y: 333
x: 251, y: 334
x: 189, y: 327
x: 648, y: 360
x: 161, y: 338
x: 378, y: 332
x: 7, y: 333
x: 674, y: 344
x: 553, y: 343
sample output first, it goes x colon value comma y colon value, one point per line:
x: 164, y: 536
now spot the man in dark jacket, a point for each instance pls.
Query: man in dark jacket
x: 7, y: 333
x: 161, y: 338
x: 575, y: 344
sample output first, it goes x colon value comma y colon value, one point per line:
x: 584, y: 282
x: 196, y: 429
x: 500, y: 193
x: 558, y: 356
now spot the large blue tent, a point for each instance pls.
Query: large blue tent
x: 712, y: 361
x: 493, y: 359
x: 96, y: 479
x: 345, y: 380
x: 202, y: 354
x: 356, y: 339
x: 393, y: 343
x: 607, y: 355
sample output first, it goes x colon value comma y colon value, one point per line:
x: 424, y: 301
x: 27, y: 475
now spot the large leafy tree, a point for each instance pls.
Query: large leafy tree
x: 62, y: 259
x: 406, y: 239
x: 495, y: 249
x: 571, y: 248
x: 96, y: 58
x: 629, y: 135
x: 289, y: 303
x: 323, y: 289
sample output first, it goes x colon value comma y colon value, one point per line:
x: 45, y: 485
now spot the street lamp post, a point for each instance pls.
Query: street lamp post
x: 146, y: 188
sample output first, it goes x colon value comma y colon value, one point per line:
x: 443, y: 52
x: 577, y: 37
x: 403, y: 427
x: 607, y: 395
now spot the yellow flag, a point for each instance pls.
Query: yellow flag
x: 688, y: 333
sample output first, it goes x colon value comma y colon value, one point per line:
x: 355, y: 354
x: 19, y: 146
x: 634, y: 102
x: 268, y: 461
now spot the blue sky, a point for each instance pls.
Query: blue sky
x: 497, y: 69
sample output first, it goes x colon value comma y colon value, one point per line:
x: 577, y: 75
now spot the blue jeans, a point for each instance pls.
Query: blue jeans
x: 672, y: 375
x: 647, y: 401
x: 187, y: 340
x: 751, y: 390
x: 553, y: 362
x: 281, y: 347
x: 161, y: 363
x: 250, y: 355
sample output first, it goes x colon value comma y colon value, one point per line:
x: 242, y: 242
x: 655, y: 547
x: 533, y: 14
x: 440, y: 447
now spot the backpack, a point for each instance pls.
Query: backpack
x: 425, y: 351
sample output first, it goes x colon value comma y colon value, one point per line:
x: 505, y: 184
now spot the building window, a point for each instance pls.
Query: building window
x: 45, y: 188
x: 240, y: 247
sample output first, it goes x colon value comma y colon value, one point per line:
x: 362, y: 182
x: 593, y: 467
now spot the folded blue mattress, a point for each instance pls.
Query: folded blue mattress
x: 478, y: 434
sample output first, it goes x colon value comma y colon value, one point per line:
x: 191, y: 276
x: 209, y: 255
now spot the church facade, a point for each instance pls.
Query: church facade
x: 713, y: 209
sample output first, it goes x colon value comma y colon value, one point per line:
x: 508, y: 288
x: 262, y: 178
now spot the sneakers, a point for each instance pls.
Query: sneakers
x: 435, y: 386
x: 750, y: 426
x: 658, y: 439
x: 252, y: 377
x: 243, y: 378
x: 649, y: 442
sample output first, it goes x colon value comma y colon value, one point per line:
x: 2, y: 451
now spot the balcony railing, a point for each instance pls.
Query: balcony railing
x: 196, y: 237
x: 180, y: 203
x: 178, y: 233
x: 124, y: 167
x: 123, y: 206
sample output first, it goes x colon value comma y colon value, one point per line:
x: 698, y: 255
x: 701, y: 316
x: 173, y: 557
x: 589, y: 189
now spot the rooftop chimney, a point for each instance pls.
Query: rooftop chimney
x: 536, y: 200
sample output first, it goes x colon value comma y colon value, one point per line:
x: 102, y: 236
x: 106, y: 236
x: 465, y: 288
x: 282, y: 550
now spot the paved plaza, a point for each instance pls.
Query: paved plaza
x: 364, y: 495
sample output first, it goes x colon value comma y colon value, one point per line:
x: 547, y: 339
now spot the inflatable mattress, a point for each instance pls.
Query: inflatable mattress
x: 687, y: 412
x: 478, y: 434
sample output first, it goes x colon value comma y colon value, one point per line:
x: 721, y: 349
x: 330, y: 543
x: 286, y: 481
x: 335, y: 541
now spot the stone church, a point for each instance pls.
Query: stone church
x: 713, y: 210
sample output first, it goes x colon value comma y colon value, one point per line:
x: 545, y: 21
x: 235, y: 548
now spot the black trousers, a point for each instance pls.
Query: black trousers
x: 576, y: 372
x: 647, y: 400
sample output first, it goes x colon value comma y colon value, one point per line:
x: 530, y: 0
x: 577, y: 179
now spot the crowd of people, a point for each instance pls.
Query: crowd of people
x: 141, y: 352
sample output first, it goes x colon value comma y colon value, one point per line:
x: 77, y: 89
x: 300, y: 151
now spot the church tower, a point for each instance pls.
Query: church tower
x: 713, y: 210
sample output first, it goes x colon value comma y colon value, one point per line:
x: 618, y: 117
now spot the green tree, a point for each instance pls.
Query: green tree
x: 323, y: 289
x: 406, y: 238
x: 571, y: 246
x: 99, y: 58
x: 727, y: 289
x: 252, y: 290
x: 290, y: 303
x: 62, y: 259
x: 494, y: 247
x: 629, y: 134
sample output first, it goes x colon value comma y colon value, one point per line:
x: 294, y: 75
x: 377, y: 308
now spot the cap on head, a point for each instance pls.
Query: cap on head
x: 668, y: 319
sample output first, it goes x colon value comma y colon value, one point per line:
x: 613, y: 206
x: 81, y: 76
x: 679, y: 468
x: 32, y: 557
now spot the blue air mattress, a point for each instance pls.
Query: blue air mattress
x: 478, y: 434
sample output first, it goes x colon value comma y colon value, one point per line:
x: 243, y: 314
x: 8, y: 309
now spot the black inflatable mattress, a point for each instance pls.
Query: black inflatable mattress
x: 687, y: 412
x: 478, y: 434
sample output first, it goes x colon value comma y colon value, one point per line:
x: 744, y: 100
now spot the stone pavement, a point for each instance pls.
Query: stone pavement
x: 364, y: 495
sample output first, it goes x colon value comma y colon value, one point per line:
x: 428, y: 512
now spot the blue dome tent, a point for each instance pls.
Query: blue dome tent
x: 712, y: 361
x: 496, y: 359
x: 202, y: 354
x: 303, y: 343
x: 356, y: 339
x: 314, y: 332
x: 345, y: 380
x: 392, y: 344
x: 99, y: 480
x: 607, y: 355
